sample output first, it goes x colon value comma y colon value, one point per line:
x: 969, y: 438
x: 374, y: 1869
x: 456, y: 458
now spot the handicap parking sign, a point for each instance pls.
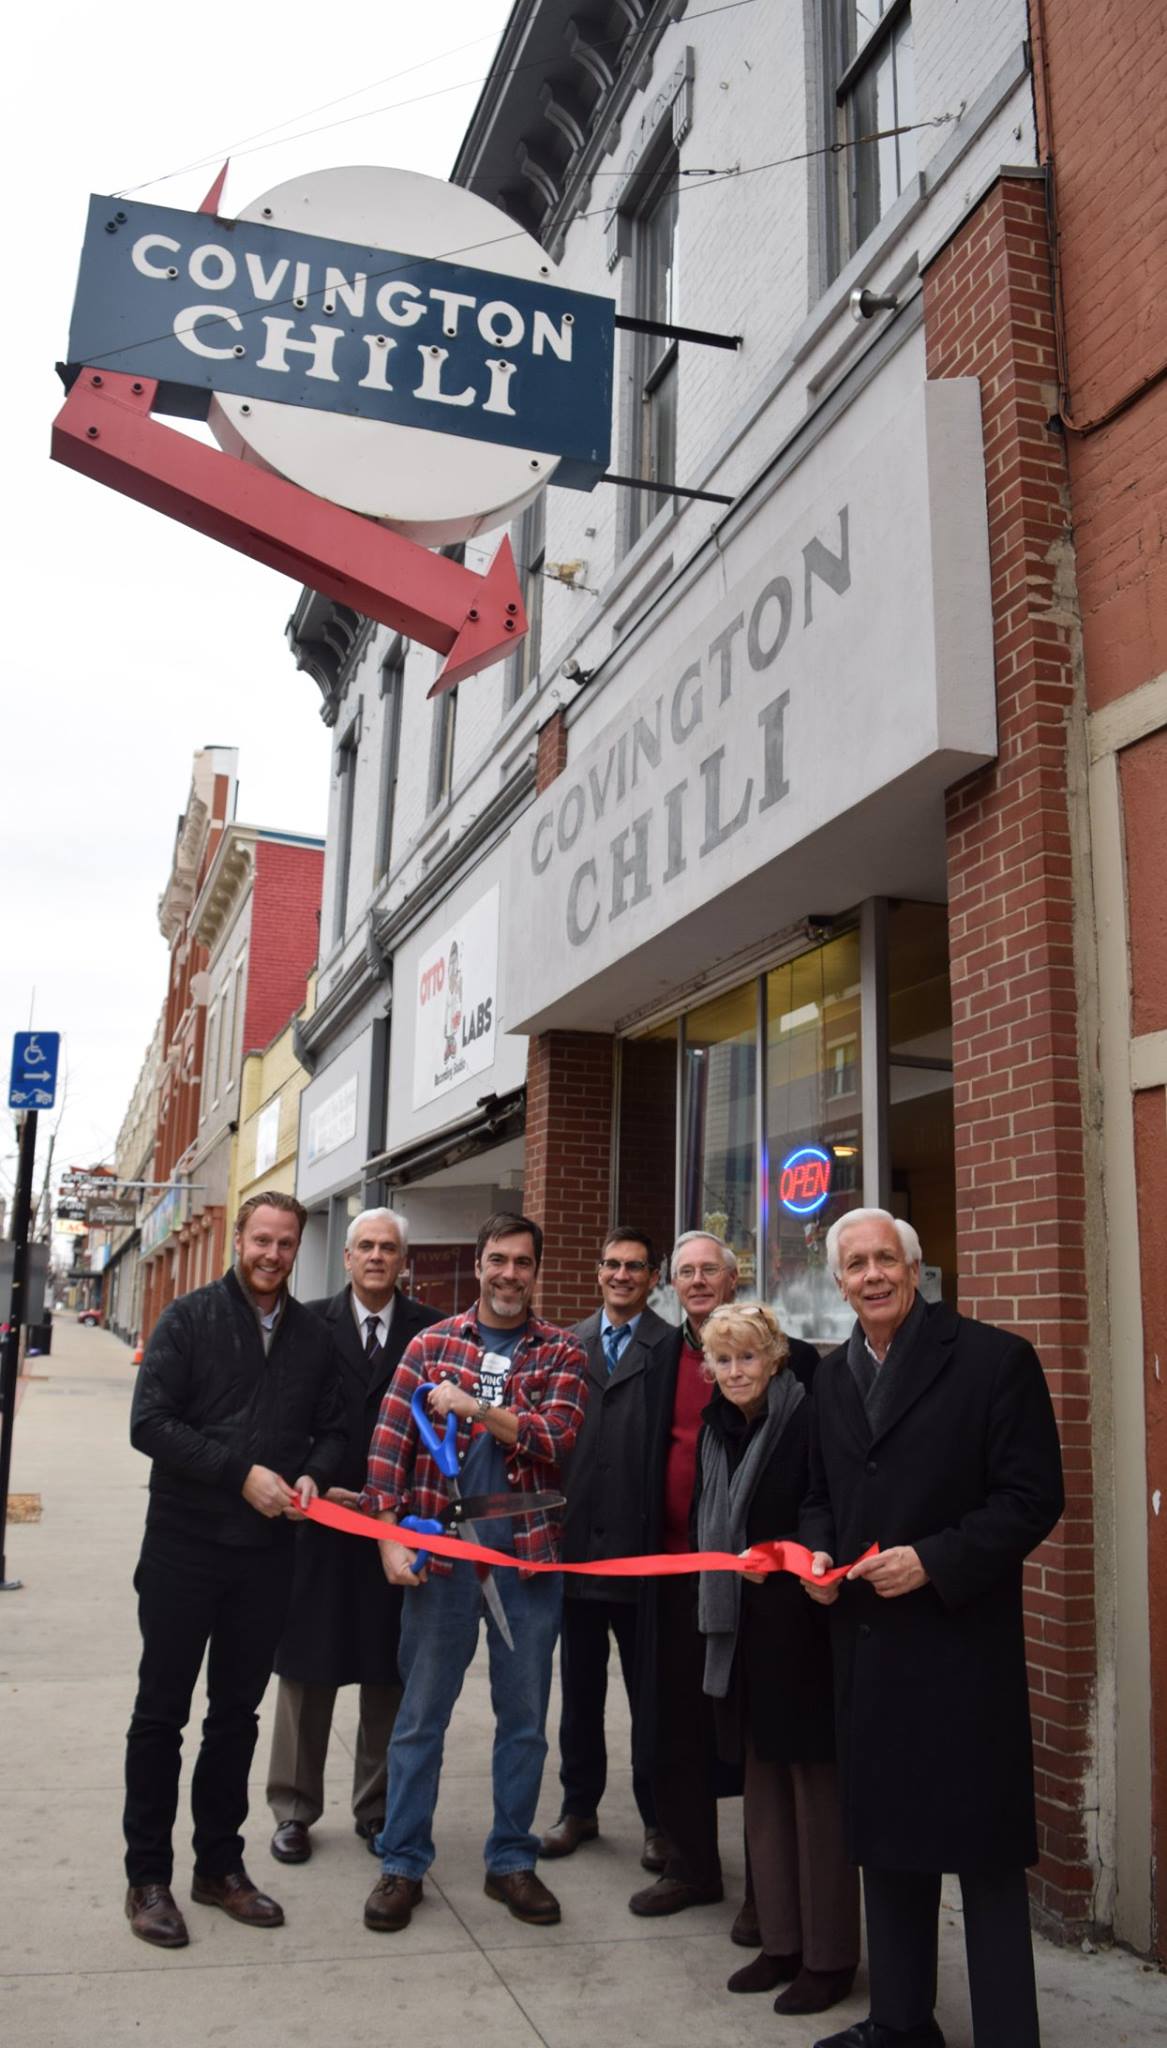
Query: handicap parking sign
x: 35, y: 1058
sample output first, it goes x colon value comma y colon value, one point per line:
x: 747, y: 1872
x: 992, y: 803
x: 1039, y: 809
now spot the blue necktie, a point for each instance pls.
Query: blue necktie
x: 615, y: 1338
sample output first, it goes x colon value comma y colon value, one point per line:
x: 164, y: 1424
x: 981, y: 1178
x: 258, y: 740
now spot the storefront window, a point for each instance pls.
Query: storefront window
x: 766, y: 1146
x: 814, y: 1136
x: 920, y: 1091
x: 720, y: 1124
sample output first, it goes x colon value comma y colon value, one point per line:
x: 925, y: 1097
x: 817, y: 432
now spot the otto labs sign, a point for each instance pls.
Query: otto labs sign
x: 456, y: 1010
x: 266, y: 312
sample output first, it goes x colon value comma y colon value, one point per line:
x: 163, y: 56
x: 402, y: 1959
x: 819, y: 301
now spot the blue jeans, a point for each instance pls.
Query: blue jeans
x: 439, y: 1635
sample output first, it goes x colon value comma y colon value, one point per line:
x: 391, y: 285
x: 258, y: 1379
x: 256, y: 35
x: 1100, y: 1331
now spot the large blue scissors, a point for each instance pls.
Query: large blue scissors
x: 459, y: 1510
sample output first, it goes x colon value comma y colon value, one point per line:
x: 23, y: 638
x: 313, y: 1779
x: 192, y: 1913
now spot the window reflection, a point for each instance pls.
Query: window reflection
x: 720, y: 1112
x: 813, y: 1130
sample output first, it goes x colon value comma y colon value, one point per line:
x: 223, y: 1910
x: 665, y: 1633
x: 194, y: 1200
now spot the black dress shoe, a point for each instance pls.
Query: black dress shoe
x: 154, y: 1916
x: 656, y: 1851
x: 569, y: 1831
x: 238, y: 1897
x: 291, y: 1842
x: 869, y: 2033
x: 524, y: 1895
x: 764, y: 1973
x: 815, y: 1991
x: 672, y: 1895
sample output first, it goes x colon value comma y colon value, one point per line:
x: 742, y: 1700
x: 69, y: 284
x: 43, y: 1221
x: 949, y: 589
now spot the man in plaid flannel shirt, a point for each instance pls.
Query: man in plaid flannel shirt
x: 517, y: 1386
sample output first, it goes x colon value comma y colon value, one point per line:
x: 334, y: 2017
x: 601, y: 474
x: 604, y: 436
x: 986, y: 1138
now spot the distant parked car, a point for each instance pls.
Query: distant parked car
x: 92, y: 1316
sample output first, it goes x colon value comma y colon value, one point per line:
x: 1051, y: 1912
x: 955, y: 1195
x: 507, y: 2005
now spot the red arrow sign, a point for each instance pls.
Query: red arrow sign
x: 104, y: 429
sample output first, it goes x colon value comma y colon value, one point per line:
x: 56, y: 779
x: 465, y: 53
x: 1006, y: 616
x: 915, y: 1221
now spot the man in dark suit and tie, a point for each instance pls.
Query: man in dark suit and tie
x: 626, y: 1344
x: 344, y: 1619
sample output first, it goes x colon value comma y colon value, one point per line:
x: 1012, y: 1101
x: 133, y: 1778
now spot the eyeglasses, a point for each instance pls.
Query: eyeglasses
x: 700, y: 1272
x: 623, y: 1265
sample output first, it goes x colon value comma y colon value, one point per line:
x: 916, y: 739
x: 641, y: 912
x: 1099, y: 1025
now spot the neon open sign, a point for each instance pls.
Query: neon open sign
x: 805, y: 1180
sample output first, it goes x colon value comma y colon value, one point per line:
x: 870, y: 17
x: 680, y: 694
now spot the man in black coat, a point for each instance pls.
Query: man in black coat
x: 934, y: 1436
x: 237, y: 1405
x: 344, y: 1619
x: 607, y: 1516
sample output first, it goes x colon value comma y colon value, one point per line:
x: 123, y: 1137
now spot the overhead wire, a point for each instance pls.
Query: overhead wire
x: 401, y: 267
x: 392, y: 106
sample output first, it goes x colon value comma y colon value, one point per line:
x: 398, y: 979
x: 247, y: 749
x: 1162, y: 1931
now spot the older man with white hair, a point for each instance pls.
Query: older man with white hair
x: 933, y: 1436
x: 344, y: 1620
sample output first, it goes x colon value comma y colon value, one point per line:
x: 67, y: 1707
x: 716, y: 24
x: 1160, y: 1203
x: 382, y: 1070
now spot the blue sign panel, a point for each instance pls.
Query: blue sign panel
x: 35, y: 1058
x: 265, y: 312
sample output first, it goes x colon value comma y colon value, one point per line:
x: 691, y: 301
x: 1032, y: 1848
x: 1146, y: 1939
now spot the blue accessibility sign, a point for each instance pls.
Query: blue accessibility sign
x: 36, y: 1056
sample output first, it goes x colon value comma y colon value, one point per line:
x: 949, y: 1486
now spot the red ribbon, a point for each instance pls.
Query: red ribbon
x: 762, y: 1557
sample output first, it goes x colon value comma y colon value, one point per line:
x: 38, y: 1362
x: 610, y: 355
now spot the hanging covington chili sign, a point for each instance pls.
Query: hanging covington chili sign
x: 270, y: 312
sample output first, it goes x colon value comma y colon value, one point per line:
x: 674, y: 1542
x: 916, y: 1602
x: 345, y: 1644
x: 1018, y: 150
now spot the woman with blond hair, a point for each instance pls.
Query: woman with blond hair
x: 768, y: 1667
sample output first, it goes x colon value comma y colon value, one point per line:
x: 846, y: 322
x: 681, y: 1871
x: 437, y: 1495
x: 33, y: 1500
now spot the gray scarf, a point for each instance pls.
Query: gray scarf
x: 721, y: 1525
x: 880, y: 1384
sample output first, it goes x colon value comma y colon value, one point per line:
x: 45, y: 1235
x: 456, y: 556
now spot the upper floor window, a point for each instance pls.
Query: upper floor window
x: 392, y: 691
x: 532, y: 560
x: 442, y: 748
x: 655, y: 248
x: 870, y: 86
x: 346, y: 776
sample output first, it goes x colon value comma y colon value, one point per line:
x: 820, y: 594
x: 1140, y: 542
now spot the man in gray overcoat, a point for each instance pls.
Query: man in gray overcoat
x: 934, y: 1436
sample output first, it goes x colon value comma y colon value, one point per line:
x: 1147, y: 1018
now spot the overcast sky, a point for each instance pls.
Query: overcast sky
x: 132, y: 641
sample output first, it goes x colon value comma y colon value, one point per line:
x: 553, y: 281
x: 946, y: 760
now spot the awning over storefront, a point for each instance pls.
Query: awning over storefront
x: 493, y: 1120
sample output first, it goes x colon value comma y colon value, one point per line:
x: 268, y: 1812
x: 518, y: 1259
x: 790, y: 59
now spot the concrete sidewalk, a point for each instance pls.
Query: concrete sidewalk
x: 71, y: 1973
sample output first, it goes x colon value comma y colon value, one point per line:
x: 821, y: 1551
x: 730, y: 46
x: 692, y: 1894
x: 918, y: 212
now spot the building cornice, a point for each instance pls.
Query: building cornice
x: 227, y: 882
x: 554, y: 103
x: 327, y: 640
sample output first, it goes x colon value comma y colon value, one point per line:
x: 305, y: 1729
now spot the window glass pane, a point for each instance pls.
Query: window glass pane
x: 905, y: 102
x: 920, y: 1117
x: 814, y: 1159
x: 720, y: 1124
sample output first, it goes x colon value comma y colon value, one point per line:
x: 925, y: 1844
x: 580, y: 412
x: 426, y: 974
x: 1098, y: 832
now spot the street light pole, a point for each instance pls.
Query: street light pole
x: 17, y: 1317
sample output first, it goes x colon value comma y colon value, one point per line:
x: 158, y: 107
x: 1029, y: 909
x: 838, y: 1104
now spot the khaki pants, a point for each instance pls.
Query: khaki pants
x: 303, y: 1723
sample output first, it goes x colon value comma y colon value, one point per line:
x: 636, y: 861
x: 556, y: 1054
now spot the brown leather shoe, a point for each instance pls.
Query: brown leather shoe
x: 291, y: 1842
x: 154, y: 1917
x: 656, y: 1851
x: 672, y: 1895
x: 237, y: 1896
x: 569, y: 1831
x: 389, y: 1906
x: 524, y: 1895
x: 765, y: 1972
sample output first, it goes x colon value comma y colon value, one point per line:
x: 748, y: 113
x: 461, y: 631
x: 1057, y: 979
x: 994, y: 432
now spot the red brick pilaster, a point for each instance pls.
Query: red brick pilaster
x: 551, y: 754
x: 1019, y: 1113
x: 568, y: 1164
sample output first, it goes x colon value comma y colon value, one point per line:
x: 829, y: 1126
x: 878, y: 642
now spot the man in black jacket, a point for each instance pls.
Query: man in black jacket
x: 237, y: 1405
x: 607, y: 1516
x: 345, y: 1619
x: 933, y: 1436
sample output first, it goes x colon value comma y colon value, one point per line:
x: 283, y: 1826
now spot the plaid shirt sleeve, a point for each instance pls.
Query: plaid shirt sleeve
x: 547, y: 1433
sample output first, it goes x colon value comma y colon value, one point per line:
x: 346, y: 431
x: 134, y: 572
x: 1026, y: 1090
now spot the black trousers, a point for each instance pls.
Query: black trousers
x: 684, y: 1782
x: 197, y: 1597
x: 583, y: 1677
x: 903, y: 1912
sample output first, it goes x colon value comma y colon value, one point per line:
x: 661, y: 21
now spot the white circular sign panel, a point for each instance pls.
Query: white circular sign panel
x: 434, y: 488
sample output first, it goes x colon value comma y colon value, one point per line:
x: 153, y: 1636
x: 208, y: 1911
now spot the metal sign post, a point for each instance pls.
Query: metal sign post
x: 34, y: 1082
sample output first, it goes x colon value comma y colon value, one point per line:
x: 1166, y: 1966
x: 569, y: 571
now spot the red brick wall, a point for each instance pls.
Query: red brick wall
x: 1020, y: 1184
x: 568, y: 1164
x: 285, y: 935
x: 1104, y: 71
